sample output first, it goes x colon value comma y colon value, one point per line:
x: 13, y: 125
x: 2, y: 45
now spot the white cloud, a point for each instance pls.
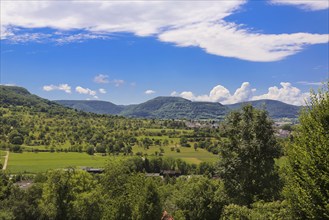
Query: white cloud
x: 304, y: 4
x: 201, y: 24
x: 229, y: 40
x: 174, y: 93
x: 86, y: 91
x: 118, y: 82
x: 219, y: 93
x: 149, y: 92
x: 63, y: 87
x: 8, y: 84
x: 101, y: 90
x: 101, y: 78
x: 287, y: 93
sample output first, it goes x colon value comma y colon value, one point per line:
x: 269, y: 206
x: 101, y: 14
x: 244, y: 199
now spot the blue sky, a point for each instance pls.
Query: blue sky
x: 129, y: 52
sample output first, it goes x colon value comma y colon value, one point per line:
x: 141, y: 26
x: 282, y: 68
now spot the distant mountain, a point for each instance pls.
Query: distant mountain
x: 99, y: 107
x: 176, y: 108
x: 276, y: 109
x: 157, y: 108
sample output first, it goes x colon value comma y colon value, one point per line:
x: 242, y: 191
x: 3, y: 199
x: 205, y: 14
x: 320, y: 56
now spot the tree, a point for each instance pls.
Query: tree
x: 247, y: 164
x: 150, y: 206
x: 61, y: 191
x: 308, y: 161
x: 197, y: 198
x: 15, y: 137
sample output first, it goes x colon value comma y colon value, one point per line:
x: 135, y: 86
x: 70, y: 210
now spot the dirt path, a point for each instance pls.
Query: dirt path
x: 6, y: 161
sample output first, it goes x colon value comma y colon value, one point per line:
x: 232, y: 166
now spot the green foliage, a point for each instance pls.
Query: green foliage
x: 90, y: 150
x: 5, y: 185
x: 61, y: 192
x: 150, y: 206
x: 259, y: 210
x: 247, y: 164
x: 197, y: 198
x: 307, y: 188
x: 23, y: 204
x: 234, y: 211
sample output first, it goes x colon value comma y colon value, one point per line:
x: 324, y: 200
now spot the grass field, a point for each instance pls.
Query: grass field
x: 40, y: 162
x: 186, y: 153
x: 30, y: 162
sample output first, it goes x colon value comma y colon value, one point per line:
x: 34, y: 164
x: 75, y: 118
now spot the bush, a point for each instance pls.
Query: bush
x: 258, y: 210
x: 90, y: 151
x: 16, y: 149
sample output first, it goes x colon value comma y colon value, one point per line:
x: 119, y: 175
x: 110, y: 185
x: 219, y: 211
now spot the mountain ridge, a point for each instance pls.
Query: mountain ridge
x: 162, y: 107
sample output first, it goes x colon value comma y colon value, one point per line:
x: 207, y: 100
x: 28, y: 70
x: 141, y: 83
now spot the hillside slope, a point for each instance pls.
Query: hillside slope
x: 276, y: 109
x: 99, y: 107
x: 18, y: 96
x: 176, y: 108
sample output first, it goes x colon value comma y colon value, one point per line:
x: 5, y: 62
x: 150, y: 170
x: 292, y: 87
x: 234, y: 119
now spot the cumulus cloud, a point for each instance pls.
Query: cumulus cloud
x: 101, y: 78
x: 149, y: 92
x: 86, y: 91
x: 63, y: 87
x: 305, y: 4
x: 101, y: 90
x: 201, y: 24
x: 287, y: 93
x: 221, y: 94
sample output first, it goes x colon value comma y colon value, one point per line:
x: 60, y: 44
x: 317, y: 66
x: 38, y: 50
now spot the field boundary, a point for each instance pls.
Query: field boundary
x: 6, y: 161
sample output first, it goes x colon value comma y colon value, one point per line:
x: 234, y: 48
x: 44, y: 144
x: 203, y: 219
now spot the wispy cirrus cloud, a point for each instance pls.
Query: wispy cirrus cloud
x: 103, y: 79
x: 201, y: 24
x: 62, y: 87
x: 306, y: 83
x: 312, y: 5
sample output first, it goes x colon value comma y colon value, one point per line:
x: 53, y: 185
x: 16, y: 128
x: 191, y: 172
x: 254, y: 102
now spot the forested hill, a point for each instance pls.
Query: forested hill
x: 99, y: 107
x: 18, y: 96
x: 176, y: 108
x: 276, y: 109
x: 158, y: 108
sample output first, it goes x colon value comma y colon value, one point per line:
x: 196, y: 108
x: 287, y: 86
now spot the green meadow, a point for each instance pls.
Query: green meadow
x: 31, y: 162
x: 186, y: 153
